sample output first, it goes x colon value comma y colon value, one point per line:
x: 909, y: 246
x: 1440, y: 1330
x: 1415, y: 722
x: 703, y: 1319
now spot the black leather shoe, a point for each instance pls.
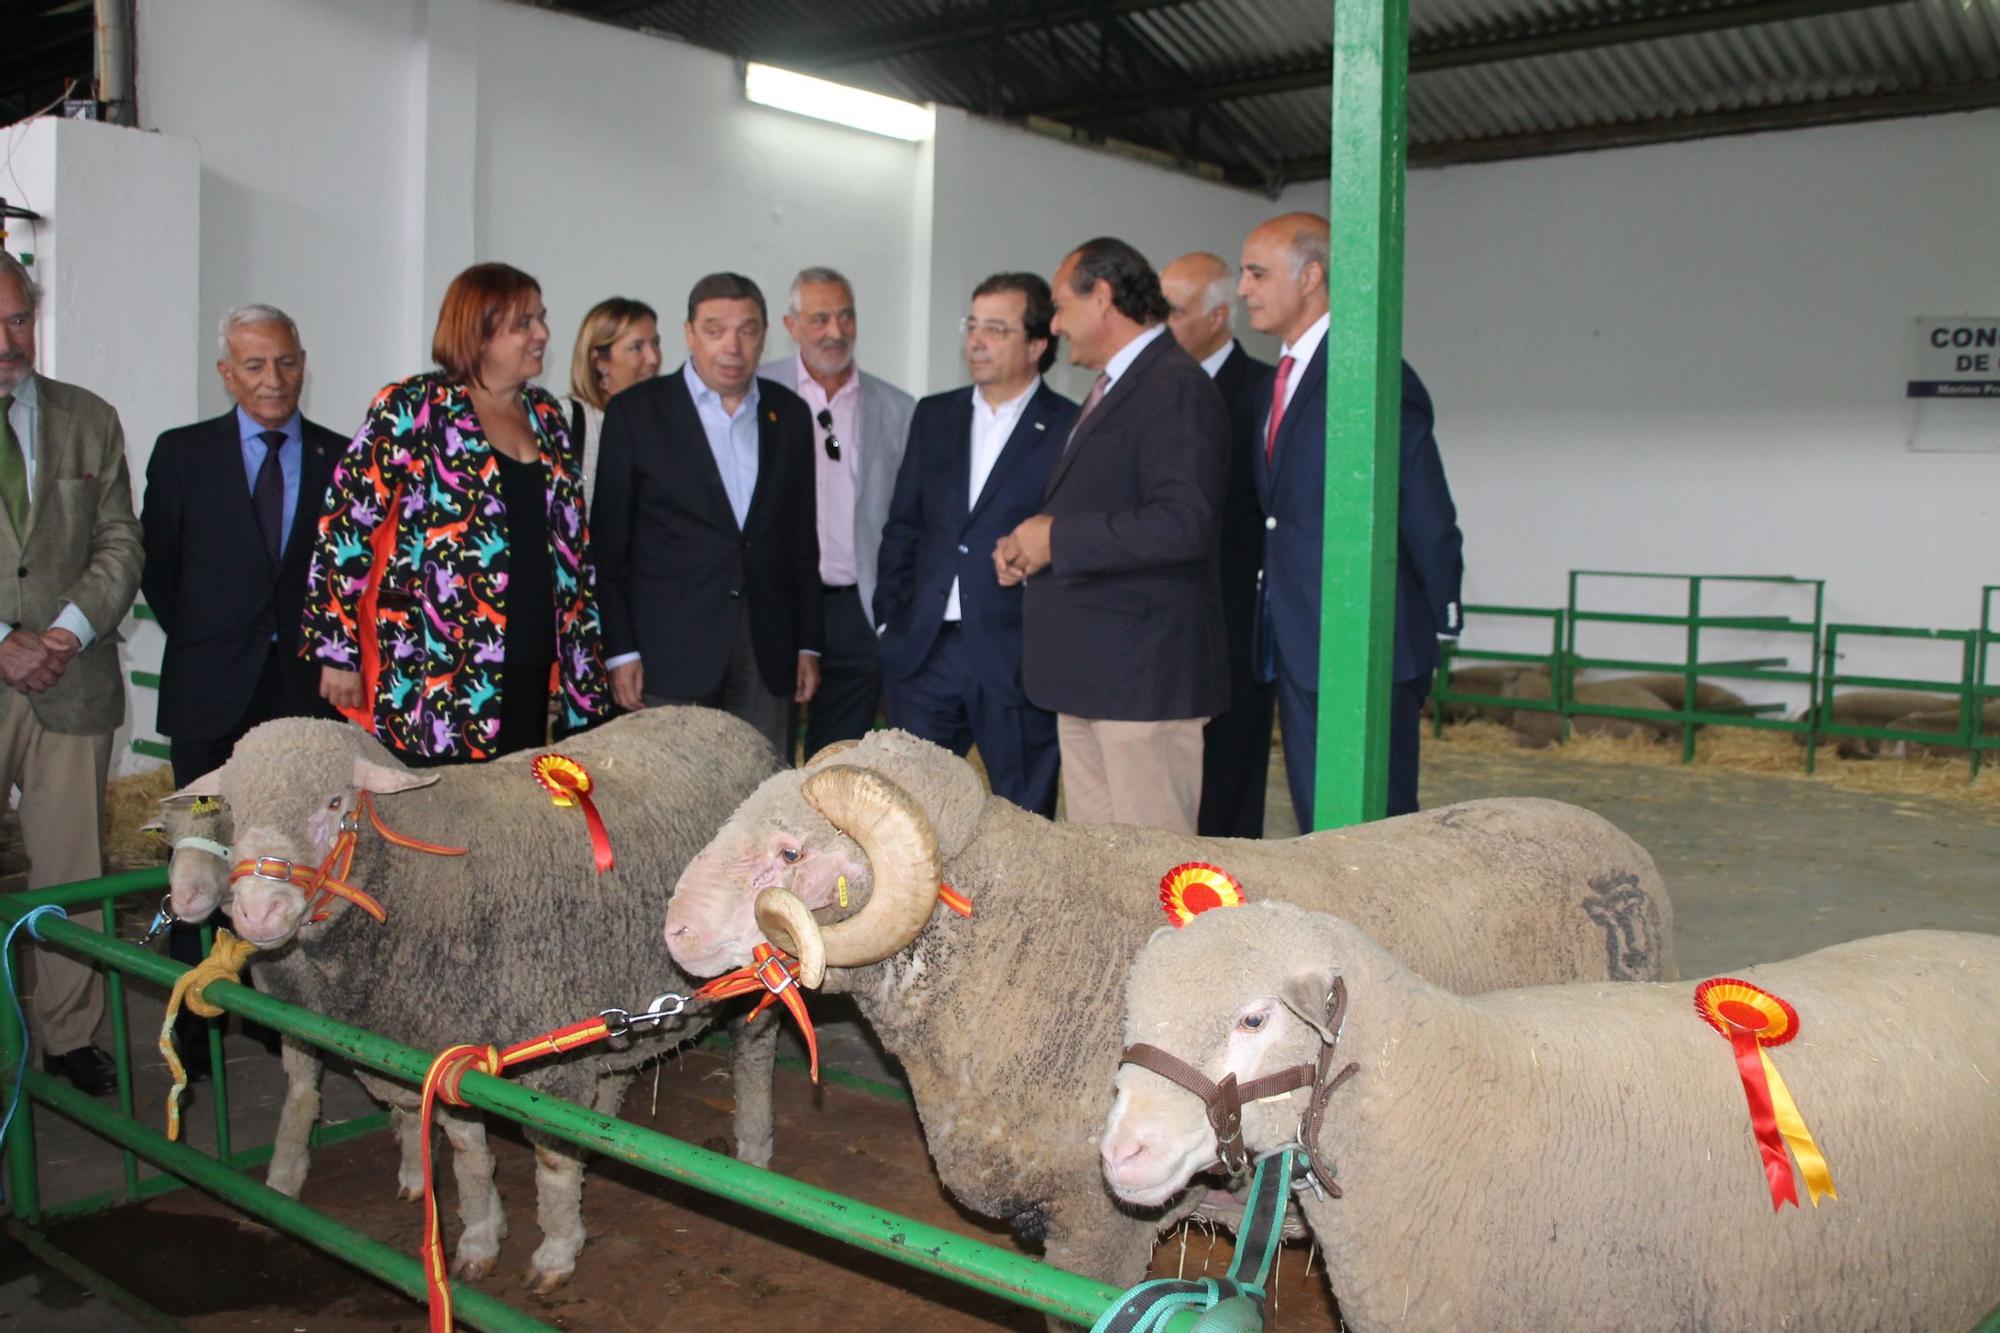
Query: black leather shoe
x: 90, y: 1070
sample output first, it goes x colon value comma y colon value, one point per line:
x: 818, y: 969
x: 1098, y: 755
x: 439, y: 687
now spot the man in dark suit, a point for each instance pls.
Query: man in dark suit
x: 1284, y: 290
x: 977, y: 463
x: 230, y: 510
x: 1236, y: 744
x: 1122, y: 622
x: 704, y: 527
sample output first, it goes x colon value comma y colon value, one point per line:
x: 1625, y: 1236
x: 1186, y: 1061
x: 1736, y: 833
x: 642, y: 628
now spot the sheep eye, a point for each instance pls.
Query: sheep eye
x: 790, y: 854
x: 333, y: 804
x: 1253, y: 1022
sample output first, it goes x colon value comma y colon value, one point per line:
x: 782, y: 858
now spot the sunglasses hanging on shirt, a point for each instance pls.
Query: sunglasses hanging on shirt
x: 825, y: 419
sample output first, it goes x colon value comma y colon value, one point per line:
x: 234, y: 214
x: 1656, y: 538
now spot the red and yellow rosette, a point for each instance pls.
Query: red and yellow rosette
x: 1754, y: 1019
x: 1190, y: 889
x: 568, y: 783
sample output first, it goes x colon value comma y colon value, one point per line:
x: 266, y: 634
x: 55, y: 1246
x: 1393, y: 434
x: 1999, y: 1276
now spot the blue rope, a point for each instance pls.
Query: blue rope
x: 20, y: 1018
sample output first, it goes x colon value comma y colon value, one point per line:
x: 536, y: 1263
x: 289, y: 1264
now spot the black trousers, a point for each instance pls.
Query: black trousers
x: 945, y: 702
x: 1298, y: 718
x: 850, y: 673
x: 1236, y: 762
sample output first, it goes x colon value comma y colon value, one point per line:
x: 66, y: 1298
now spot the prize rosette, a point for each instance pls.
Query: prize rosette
x: 568, y: 783
x: 1755, y: 1020
x: 1190, y: 889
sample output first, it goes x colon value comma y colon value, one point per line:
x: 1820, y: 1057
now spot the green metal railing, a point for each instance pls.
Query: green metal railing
x: 1003, y: 1273
x: 1691, y: 667
x: 1968, y: 690
x: 1983, y: 688
x: 1454, y: 650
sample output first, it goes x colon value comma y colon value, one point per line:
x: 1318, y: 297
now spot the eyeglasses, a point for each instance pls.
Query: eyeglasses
x: 825, y: 419
x: 992, y: 328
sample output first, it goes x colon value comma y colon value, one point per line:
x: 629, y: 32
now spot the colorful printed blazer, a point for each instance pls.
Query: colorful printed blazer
x: 408, y: 583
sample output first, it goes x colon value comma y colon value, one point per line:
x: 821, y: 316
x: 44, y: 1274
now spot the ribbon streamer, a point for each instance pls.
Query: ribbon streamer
x: 955, y: 900
x: 776, y: 974
x: 568, y: 783
x: 1754, y: 1019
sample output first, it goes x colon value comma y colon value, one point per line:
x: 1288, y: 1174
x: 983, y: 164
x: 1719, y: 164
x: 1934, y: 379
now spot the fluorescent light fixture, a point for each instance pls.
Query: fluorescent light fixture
x: 804, y: 95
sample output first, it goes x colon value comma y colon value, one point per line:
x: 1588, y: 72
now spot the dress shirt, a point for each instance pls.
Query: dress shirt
x: 837, y: 479
x: 23, y: 416
x: 991, y: 428
x: 732, y: 439
x: 1301, y: 353
x: 1212, y: 363
x: 1126, y: 355
x: 290, y: 464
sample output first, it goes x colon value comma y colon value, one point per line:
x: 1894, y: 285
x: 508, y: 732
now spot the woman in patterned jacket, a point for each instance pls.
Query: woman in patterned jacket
x: 451, y: 601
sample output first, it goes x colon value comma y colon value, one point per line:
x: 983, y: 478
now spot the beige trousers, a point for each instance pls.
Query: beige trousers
x: 62, y: 811
x: 1131, y: 772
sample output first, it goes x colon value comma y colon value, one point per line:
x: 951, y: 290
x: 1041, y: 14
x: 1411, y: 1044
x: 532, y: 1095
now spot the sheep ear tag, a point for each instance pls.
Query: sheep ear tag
x: 1754, y: 1019
x: 568, y: 783
x: 1195, y: 887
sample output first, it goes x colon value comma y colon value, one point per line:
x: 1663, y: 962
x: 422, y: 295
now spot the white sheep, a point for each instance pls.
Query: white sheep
x: 1580, y: 1157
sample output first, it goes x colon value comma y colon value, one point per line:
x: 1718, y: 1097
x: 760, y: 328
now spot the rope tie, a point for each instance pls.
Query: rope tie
x: 225, y: 962
x: 32, y: 923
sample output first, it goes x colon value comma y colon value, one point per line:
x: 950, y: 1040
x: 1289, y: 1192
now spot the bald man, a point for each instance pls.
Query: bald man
x: 1283, y: 285
x: 1236, y: 744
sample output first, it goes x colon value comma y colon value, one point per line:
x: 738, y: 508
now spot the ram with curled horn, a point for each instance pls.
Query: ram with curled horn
x: 1007, y: 1021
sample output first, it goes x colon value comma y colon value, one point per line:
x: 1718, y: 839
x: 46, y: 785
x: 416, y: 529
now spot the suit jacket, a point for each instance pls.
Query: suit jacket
x: 1430, y: 560
x: 1126, y: 622
x: 213, y: 585
x: 82, y: 547
x: 885, y: 430
x: 1245, y: 382
x: 937, y: 532
x: 674, y: 568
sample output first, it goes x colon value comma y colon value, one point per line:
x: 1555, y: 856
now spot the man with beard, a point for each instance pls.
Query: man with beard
x: 860, y: 426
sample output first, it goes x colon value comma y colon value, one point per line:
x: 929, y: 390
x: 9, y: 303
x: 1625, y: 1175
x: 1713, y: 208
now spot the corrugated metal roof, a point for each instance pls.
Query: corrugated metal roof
x: 1240, y: 86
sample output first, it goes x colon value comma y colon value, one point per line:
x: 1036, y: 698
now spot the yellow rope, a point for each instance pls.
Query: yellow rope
x: 225, y: 962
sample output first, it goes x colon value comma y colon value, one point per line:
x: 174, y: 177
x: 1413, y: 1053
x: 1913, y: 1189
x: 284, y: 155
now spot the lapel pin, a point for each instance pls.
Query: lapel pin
x: 1041, y: 425
x: 771, y: 417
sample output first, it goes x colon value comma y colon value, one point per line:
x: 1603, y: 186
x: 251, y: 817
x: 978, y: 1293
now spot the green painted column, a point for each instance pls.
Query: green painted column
x: 1364, y: 346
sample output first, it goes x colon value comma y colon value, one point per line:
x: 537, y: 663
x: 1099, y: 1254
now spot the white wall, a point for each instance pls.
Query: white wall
x: 1690, y: 357
x: 116, y: 257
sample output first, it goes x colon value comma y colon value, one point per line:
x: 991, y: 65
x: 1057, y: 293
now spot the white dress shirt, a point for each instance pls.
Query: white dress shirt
x: 24, y: 415
x: 1122, y: 360
x: 991, y: 429
x: 1302, y: 352
x: 1212, y: 363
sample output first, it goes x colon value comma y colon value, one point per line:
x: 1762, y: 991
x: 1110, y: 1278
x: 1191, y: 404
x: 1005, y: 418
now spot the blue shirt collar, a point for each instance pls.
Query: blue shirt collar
x: 698, y: 389
x: 247, y: 428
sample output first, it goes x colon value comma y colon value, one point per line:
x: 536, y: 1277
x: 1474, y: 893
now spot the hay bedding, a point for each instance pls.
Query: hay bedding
x: 1765, y: 753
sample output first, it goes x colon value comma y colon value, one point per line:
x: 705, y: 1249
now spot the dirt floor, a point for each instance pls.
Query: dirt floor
x: 1760, y: 864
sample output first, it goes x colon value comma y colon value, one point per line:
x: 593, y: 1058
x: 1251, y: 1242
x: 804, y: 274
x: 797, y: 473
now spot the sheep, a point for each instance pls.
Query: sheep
x: 514, y: 938
x: 1577, y: 1157
x: 1941, y: 723
x: 1004, y: 1020
x: 1536, y: 728
x: 1872, y: 708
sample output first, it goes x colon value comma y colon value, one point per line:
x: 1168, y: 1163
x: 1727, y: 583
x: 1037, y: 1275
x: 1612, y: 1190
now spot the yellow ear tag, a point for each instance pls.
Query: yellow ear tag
x: 840, y: 886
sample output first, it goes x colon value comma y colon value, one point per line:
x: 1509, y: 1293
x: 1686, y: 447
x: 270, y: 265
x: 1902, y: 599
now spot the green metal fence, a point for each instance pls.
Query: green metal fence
x: 1832, y: 679
x: 1454, y: 650
x: 1003, y: 1273
x: 1984, y: 690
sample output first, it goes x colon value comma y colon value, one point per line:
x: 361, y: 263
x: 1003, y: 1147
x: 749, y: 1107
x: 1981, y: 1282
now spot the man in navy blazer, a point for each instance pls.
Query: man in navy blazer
x: 1122, y: 623
x: 230, y: 512
x: 977, y: 463
x: 1284, y: 289
x: 1236, y: 743
x: 704, y: 529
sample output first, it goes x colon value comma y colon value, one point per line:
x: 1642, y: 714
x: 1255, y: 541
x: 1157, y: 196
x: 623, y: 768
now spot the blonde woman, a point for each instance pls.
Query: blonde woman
x: 618, y: 346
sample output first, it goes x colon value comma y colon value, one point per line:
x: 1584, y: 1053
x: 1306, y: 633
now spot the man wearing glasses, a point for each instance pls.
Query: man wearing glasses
x: 978, y: 461
x: 859, y: 425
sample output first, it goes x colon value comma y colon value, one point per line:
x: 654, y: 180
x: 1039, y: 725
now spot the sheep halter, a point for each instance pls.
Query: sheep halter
x: 1224, y: 1101
x: 330, y: 879
x: 777, y: 974
x: 1753, y: 1019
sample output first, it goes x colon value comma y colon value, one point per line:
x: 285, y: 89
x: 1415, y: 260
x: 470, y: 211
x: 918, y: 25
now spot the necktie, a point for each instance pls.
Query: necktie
x: 1096, y: 396
x: 1277, y: 407
x: 13, y: 471
x: 268, y: 495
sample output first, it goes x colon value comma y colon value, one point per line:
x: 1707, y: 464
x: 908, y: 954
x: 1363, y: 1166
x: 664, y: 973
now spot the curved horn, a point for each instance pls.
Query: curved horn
x: 829, y: 750
x: 788, y: 923
x: 896, y: 837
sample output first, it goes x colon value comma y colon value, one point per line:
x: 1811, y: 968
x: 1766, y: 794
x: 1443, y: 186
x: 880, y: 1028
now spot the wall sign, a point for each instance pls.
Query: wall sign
x: 1952, y: 387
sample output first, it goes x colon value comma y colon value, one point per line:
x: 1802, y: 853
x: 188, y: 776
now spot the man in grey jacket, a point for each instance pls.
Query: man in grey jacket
x: 860, y: 426
x: 68, y: 533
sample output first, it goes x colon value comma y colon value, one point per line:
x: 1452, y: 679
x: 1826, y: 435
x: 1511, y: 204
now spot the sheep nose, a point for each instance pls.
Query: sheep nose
x: 1122, y: 1152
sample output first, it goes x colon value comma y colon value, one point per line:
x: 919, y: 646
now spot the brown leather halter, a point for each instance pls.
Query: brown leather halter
x: 1224, y: 1101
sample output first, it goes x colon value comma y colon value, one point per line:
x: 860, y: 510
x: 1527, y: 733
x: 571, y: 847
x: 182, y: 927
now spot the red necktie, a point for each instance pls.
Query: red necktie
x: 1277, y: 407
x: 1096, y: 396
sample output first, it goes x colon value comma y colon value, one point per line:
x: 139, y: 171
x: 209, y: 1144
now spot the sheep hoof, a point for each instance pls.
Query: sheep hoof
x: 409, y: 1193
x: 471, y: 1270
x: 543, y: 1283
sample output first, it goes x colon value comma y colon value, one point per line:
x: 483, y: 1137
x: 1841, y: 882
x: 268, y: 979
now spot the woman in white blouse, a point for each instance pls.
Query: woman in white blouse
x: 618, y: 345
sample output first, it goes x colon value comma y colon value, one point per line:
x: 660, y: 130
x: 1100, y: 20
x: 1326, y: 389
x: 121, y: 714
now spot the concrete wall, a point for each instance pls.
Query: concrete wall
x: 116, y: 258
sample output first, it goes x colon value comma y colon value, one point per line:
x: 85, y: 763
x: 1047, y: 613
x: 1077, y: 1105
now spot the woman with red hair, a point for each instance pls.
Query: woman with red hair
x: 451, y: 601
